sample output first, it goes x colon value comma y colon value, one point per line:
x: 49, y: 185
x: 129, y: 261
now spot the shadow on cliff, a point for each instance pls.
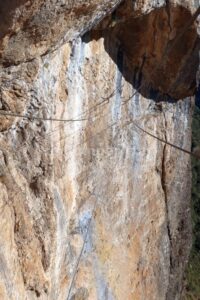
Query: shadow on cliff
x: 197, y: 97
x: 157, y: 53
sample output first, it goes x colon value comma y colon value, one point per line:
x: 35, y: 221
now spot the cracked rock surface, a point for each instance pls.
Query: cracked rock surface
x: 58, y: 177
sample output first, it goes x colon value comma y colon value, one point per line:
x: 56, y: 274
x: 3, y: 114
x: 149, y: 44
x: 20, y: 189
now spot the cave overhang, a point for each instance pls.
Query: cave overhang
x: 159, y: 48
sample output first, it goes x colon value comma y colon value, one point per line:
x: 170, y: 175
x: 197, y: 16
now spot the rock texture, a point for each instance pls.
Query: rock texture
x: 96, y: 186
x: 167, y: 55
x: 30, y: 28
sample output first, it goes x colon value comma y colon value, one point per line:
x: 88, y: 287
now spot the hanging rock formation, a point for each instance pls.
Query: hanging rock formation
x: 94, y: 208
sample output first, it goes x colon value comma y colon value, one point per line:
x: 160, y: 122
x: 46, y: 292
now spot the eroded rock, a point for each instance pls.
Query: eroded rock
x: 161, y: 49
x: 53, y: 175
x: 32, y: 28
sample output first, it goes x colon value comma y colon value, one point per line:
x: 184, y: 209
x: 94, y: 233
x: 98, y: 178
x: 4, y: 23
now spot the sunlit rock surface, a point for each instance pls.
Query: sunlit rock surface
x: 98, y: 185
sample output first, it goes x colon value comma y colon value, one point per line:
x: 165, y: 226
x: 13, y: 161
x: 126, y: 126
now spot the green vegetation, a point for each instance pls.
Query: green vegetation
x: 193, y: 269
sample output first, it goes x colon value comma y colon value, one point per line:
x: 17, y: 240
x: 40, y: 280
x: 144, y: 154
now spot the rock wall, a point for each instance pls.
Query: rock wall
x: 32, y: 28
x: 91, y: 208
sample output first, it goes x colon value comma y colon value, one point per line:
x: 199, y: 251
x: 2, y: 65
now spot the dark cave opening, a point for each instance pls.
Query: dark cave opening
x: 197, y: 97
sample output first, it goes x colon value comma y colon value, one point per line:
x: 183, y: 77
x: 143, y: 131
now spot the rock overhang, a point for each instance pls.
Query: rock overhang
x: 160, y: 49
x: 29, y: 29
x: 159, y: 60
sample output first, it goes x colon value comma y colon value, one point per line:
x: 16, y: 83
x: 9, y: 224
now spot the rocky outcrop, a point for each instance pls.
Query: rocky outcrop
x: 167, y: 55
x: 32, y: 28
x: 94, y: 208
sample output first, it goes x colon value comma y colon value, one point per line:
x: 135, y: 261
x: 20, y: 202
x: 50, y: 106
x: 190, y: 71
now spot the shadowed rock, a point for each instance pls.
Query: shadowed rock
x: 160, y: 50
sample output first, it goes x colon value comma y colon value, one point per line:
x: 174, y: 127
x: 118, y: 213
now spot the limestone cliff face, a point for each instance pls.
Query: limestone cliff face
x: 97, y: 186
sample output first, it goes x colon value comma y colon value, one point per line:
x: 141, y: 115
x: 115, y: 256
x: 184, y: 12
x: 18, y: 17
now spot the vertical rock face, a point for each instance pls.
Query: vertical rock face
x: 95, y: 208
